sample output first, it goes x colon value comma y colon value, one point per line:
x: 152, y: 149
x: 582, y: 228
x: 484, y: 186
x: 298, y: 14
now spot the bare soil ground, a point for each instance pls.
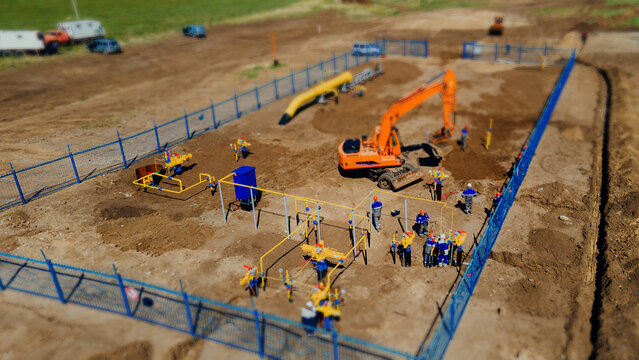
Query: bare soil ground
x: 540, y: 280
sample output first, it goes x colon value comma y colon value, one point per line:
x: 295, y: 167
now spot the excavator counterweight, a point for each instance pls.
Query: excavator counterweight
x: 381, y: 156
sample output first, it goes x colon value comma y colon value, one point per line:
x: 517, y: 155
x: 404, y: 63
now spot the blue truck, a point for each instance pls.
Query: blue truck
x: 104, y: 46
x: 194, y: 31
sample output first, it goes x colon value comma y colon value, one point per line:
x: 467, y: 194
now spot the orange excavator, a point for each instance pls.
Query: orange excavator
x: 381, y: 156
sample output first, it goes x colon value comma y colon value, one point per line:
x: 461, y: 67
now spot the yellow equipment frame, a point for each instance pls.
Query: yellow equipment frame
x: 145, y: 182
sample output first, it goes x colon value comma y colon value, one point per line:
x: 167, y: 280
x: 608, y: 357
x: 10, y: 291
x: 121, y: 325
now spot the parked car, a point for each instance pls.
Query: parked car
x: 59, y: 36
x: 21, y: 42
x: 364, y: 48
x: 105, y: 46
x: 194, y: 31
x: 82, y: 30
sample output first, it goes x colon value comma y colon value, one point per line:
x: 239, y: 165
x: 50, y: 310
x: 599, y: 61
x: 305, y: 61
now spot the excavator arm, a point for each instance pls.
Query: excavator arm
x: 447, y: 87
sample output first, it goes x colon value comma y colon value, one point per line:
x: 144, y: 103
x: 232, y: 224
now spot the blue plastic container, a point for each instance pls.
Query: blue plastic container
x: 245, y: 175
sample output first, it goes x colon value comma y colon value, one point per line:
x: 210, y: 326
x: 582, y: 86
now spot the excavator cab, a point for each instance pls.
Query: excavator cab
x: 497, y: 28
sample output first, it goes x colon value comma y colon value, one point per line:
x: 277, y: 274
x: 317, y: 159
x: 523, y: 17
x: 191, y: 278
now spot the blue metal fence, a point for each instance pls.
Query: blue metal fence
x: 247, y: 329
x: 515, y: 54
x: 21, y: 186
x: 464, y: 290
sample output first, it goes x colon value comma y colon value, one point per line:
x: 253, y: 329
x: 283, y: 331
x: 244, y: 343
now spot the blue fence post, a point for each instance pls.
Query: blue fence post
x: 157, y: 136
x: 335, y: 345
x: 75, y: 169
x: 346, y: 60
x: 125, y: 299
x: 260, y: 343
x: 384, y: 44
x: 464, y: 50
x: 2, y: 287
x: 308, y: 77
x: 545, y: 49
x: 257, y: 97
x: 519, y: 57
x: 15, y: 178
x: 54, y: 276
x: 404, y: 47
x: 186, y: 122
x: 188, y: 309
x: 292, y: 82
x: 357, y: 59
x: 334, y: 64
x: 425, y: 48
x: 126, y: 166
x: 213, y: 113
x: 496, y: 47
x: 237, y: 106
x: 321, y: 64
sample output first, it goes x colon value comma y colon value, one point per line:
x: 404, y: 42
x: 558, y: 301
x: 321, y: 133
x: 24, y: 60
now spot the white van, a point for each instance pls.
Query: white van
x: 20, y: 42
x: 82, y: 30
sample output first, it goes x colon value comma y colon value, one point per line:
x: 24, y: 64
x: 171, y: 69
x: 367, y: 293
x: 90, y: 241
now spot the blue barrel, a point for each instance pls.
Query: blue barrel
x: 245, y: 175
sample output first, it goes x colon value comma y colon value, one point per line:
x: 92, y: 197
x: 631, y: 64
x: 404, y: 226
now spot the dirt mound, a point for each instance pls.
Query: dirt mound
x: 139, y: 350
x: 116, y: 212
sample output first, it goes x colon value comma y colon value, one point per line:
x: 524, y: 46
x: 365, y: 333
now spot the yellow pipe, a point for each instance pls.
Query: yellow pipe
x: 350, y: 252
x: 140, y: 182
x: 322, y: 88
x: 278, y: 244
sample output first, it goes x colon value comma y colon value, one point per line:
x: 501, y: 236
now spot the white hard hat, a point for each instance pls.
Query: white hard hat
x: 309, y: 304
x: 442, y: 236
x: 469, y: 185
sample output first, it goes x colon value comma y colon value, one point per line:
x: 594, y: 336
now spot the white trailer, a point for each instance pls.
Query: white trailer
x: 20, y: 42
x: 82, y: 30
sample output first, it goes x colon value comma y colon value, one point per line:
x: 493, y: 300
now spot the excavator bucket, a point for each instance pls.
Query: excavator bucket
x: 407, y: 178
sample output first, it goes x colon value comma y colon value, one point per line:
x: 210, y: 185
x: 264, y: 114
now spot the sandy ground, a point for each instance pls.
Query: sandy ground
x: 546, y: 267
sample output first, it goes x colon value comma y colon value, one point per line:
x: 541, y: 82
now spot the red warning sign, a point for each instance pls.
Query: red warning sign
x: 131, y: 293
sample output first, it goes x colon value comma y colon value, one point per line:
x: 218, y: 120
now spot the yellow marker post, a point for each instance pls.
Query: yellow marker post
x: 544, y: 62
x: 489, y: 133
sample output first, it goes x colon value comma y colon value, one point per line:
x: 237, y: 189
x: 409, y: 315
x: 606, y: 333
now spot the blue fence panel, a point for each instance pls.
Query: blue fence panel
x: 200, y: 121
x: 515, y: 54
x: 300, y: 80
x: 172, y: 132
x: 247, y: 101
x: 225, y: 111
x: 95, y: 161
x: 267, y: 93
x: 44, y: 178
x: 26, y: 276
x: 284, y: 86
x: 140, y: 146
x: 9, y: 195
x: 463, y: 292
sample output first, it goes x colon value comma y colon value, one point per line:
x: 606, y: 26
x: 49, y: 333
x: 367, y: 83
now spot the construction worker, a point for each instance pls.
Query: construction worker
x: 422, y: 223
x: 468, y: 196
x: 497, y: 199
x: 584, y: 37
x: 463, y: 137
x: 429, y: 246
x: 458, y: 250
x: 377, y: 213
x: 309, y: 318
x: 439, y: 177
x: 405, y: 253
x: 244, y: 146
x: 442, y: 247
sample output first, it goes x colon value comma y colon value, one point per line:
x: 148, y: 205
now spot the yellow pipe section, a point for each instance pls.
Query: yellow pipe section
x: 322, y: 88
x: 350, y: 252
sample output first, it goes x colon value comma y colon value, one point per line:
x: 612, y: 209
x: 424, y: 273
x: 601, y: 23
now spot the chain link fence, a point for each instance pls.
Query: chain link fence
x: 515, y: 54
x: 246, y: 329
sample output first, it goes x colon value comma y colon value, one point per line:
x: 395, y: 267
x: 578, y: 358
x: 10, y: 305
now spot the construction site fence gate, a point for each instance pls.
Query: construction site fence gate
x: 247, y: 329
x: 438, y: 344
x: 515, y: 54
x: 21, y: 186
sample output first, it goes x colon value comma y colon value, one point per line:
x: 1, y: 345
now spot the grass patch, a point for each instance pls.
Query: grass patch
x: 126, y: 19
x: 633, y: 21
x: 563, y: 11
x: 622, y: 2
x: 430, y: 4
x: 607, y: 13
x: 253, y: 72
x: 279, y: 65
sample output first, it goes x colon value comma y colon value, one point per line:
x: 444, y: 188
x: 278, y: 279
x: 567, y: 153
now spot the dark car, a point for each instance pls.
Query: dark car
x: 194, y: 31
x: 104, y: 46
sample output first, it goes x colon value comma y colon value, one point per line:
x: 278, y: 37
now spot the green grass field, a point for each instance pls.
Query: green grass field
x: 127, y: 19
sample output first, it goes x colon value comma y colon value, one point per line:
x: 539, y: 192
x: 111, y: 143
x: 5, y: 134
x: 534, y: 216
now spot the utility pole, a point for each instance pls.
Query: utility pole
x: 75, y: 8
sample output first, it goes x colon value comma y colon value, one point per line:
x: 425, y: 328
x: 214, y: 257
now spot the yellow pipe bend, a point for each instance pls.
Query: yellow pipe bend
x: 321, y: 88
